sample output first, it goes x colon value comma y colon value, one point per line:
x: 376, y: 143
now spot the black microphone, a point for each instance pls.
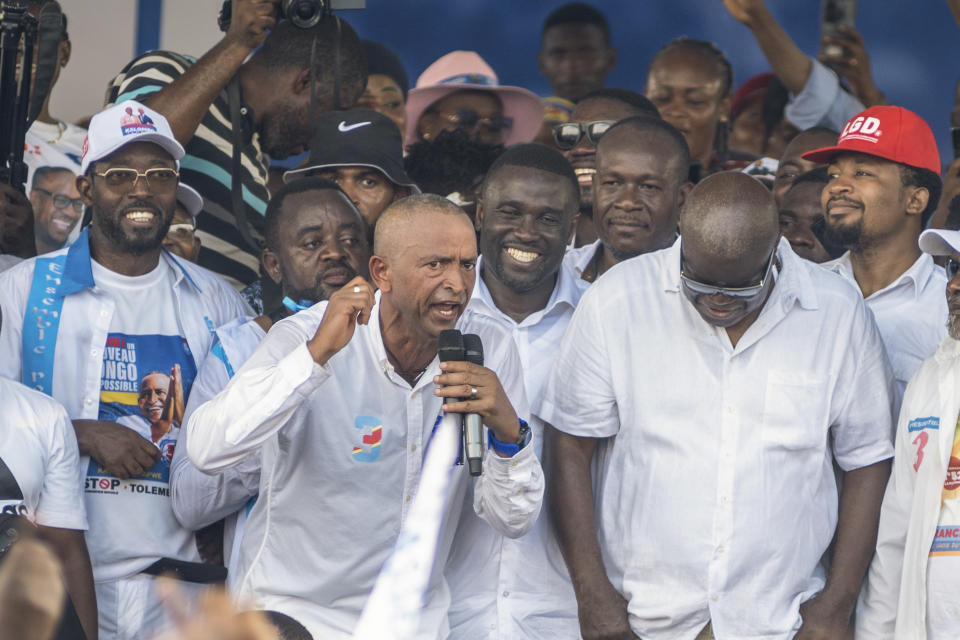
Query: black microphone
x: 472, y: 425
x: 451, y: 349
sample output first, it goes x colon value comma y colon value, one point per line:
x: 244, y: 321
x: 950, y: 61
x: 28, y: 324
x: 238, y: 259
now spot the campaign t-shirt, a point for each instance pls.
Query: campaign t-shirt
x: 943, y: 566
x: 40, y: 472
x: 132, y: 521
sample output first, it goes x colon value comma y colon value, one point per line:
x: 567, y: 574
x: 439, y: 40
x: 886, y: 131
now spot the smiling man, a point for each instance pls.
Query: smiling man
x: 884, y: 186
x: 504, y: 588
x: 89, y: 323
x: 691, y: 494
x: 57, y: 207
x: 640, y: 183
x: 341, y: 399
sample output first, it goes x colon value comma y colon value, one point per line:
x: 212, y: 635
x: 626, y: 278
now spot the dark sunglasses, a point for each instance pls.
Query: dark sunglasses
x: 953, y: 267
x: 62, y: 201
x: 568, y: 134
x: 704, y: 289
x: 469, y: 119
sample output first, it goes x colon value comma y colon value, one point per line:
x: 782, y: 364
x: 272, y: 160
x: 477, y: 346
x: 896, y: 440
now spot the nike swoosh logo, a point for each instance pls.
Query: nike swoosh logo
x: 344, y: 127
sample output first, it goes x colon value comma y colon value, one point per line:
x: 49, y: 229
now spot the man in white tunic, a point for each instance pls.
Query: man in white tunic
x: 712, y: 386
x: 341, y: 399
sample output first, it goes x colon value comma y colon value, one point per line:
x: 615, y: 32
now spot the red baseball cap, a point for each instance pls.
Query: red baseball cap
x: 888, y: 132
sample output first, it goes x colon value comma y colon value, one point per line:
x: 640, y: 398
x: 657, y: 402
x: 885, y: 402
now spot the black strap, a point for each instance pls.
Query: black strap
x: 195, y: 572
x: 236, y: 173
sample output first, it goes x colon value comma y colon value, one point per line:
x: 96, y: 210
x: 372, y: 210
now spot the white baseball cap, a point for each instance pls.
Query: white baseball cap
x: 122, y: 124
x: 191, y: 200
x: 940, y: 242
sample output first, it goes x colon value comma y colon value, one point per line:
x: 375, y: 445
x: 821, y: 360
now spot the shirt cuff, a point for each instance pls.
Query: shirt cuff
x: 809, y: 107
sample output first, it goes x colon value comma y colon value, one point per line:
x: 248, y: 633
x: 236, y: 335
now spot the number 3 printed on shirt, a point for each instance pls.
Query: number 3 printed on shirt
x: 921, y: 442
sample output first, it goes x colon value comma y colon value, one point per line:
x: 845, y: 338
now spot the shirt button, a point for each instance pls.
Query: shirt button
x: 413, y: 447
x: 408, y: 499
x: 714, y: 598
x: 720, y: 549
x: 506, y: 594
x: 93, y: 352
x: 724, y: 500
x: 104, y: 313
x: 88, y: 401
x: 729, y: 409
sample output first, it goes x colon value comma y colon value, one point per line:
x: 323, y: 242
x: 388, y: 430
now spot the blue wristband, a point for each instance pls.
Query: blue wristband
x: 506, y: 448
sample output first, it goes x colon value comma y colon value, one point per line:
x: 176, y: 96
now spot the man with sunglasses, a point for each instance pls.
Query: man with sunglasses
x: 913, y: 581
x: 577, y: 139
x: 711, y: 387
x: 884, y: 185
x: 57, y: 207
x: 86, y: 324
x: 639, y: 185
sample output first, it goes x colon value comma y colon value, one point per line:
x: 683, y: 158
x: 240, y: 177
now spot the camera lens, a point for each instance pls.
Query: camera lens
x: 303, y: 13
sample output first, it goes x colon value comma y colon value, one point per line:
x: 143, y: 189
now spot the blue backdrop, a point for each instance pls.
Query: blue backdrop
x: 913, y: 44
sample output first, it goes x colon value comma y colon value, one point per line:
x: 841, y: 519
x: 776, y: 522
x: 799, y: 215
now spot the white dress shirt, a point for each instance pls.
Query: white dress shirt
x: 911, y: 313
x: 577, y: 260
x: 715, y: 491
x: 503, y: 588
x: 342, y: 448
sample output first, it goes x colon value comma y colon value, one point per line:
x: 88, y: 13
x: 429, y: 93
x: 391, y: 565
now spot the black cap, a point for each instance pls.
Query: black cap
x: 356, y: 138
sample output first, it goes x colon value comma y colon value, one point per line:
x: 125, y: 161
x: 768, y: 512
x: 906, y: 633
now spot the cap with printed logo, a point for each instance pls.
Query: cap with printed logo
x: 121, y: 124
x: 888, y: 132
x: 356, y: 138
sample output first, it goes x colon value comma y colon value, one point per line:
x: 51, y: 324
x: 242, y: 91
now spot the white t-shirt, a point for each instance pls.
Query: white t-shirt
x: 131, y: 521
x: 943, y: 567
x: 40, y: 472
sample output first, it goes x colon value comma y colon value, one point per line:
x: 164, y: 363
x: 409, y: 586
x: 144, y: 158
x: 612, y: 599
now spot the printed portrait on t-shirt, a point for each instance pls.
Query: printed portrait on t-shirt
x: 144, y: 385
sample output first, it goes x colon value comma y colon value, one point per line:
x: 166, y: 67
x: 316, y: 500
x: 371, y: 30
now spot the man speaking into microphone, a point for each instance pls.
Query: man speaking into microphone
x: 341, y: 401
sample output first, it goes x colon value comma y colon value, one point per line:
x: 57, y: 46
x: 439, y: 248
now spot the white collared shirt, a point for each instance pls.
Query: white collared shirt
x: 40, y: 473
x: 342, y: 448
x: 911, y: 313
x: 715, y: 490
x: 577, y: 260
x: 503, y: 588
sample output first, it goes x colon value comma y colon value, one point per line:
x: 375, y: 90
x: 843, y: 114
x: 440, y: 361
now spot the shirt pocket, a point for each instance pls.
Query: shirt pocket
x: 795, y: 411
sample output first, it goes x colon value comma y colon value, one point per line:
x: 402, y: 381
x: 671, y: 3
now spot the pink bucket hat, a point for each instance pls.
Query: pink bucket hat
x: 459, y: 70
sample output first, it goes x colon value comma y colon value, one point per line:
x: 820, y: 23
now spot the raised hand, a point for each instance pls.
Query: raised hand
x: 250, y: 20
x: 346, y: 308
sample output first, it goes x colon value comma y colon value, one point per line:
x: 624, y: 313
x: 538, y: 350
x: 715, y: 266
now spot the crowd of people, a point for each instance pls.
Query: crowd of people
x: 720, y: 329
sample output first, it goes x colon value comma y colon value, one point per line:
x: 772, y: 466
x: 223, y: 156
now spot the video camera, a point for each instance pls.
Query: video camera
x: 302, y: 13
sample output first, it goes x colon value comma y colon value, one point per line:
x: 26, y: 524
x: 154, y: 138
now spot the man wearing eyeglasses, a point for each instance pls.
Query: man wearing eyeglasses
x: 639, y: 185
x: 911, y: 589
x: 57, y: 207
x: 86, y: 324
x: 700, y: 399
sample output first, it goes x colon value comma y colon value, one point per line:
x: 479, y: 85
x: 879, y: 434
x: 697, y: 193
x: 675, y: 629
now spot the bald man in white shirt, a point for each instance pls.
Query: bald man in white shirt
x: 712, y: 386
x: 341, y: 399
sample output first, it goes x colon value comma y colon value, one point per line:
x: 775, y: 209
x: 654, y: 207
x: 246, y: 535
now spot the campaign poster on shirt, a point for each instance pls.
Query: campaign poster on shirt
x: 144, y: 385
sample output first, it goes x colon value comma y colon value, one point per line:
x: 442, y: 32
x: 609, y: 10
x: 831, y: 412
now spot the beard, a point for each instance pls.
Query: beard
x: 953, y: 323
x: 849, y: 236
x: 138, y: 242
x: 280, y: 134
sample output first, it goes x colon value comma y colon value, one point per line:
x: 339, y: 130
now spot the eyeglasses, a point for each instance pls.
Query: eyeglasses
x: 568, y: 134
x: 953, y: 267
x: 181, y: 231
x: 159, y: 177
x: 704, y: 289
x: 469, y: 119
x: 62, y: 201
